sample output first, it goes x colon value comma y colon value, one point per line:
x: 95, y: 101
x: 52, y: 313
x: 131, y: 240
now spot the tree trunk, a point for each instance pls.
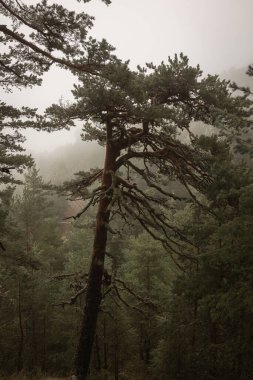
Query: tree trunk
x: 195, y: 311
x: 44, y: 352
x: 21, y: 339
x: 116, y: 352
x: 94, y: 283
x: 105, y: 344
x: 34, y: 345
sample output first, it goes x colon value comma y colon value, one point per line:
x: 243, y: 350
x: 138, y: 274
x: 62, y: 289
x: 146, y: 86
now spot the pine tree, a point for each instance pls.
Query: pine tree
x: 12, y: 158
x: 210, y: 328
x: 32, y: 255
x: 137, y: 116
x: 33, y: 38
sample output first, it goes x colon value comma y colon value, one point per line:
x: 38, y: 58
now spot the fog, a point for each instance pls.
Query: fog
x: 215, y: 34
x: 144, y: 269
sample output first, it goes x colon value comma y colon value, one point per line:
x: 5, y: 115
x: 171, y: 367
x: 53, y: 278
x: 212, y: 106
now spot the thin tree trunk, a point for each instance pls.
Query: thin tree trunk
x: 147, y: 333
x: 34, y: 341
x: 21, y: 339
x: 44, y: 353
x: 98, y: 358
x: 116, y: 352
x: 105, y: 344
x: 94, y: 283
x: 195, y: 314
x: 195, y: 311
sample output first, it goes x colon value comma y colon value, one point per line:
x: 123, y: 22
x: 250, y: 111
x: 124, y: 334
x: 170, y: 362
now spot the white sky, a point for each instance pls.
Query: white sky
x: 217, y: 34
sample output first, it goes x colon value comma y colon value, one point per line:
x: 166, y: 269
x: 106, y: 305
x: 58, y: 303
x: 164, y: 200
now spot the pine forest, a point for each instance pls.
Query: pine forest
x: 128, y: 253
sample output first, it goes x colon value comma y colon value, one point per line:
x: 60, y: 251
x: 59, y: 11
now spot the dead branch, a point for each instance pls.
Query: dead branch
x: 93, y: 200
x: 62, y: 276
x: 125, y: 302
x: 73, y: 299
x: 144, y: 301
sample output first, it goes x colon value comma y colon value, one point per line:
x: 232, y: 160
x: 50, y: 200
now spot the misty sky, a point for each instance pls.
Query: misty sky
x: 217, y: 34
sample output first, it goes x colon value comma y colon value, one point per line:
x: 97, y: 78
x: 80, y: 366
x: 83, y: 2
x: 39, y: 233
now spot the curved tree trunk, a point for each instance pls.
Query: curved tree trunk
x: 94, y: 283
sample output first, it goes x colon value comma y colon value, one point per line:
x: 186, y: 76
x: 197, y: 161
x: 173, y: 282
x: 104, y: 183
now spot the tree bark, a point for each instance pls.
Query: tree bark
x: 94, y: 283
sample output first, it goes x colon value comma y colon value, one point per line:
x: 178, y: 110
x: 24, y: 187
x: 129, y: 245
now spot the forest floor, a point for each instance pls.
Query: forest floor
x: 38, y: 378
x: 55, y: 378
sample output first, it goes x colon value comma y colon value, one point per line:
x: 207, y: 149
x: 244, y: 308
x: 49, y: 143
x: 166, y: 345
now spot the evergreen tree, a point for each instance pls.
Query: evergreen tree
x: 137, y: 116
x: 210, y: 329
x: 34, y: 36
x: 12, y: 159
x: 32, y: 255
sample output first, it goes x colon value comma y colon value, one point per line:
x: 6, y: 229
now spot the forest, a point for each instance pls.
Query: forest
x: 131, y: 259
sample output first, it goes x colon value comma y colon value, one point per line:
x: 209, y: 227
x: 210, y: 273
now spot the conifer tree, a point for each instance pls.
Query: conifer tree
x: 209, y: 330
x: 36, y: 37
x: 31, y: 258
x: 138, y: 117
x: 12, y: 157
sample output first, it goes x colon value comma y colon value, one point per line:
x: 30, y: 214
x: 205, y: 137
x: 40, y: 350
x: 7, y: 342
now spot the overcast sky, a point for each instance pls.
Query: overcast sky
x: 217, y: 34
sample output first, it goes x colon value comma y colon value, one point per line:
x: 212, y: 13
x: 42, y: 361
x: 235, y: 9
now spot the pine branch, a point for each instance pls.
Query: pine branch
x: 86, y: 68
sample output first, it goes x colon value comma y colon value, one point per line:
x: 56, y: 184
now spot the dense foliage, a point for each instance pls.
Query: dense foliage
x: 168, y: 293
x: 156, y: 320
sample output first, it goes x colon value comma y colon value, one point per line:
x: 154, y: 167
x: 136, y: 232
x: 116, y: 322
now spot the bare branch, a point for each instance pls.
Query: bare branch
x: 92, y: 201
x: 151, y: 184
x: 62, y: 276
x: 73, y: 299
x: 125, y: 302
x: 144, y: 301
